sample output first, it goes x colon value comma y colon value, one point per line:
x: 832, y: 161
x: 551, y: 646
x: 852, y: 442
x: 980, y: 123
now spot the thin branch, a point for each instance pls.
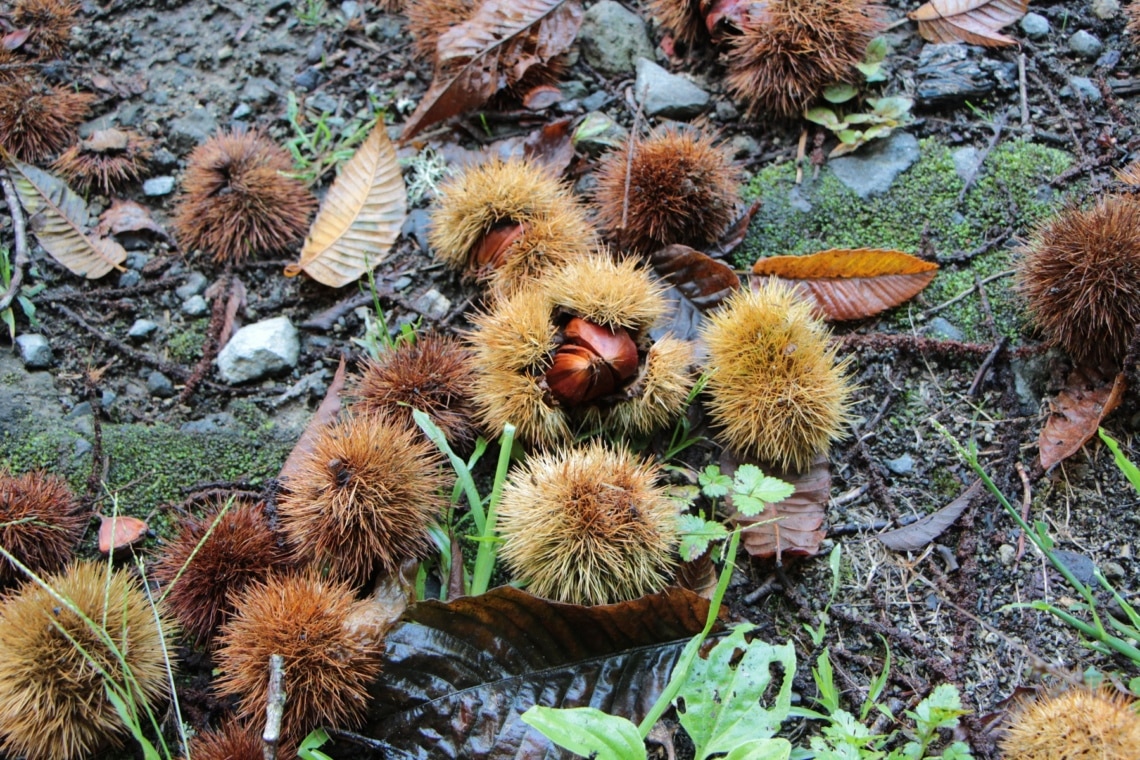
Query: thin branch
x: 20, y: 231
x: 275, y: 707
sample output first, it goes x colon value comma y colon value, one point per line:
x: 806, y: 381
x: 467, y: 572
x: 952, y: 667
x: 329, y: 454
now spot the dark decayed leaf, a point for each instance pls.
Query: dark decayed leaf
x: 914, y: 537
x: 325, y: 415
x: 850, y: 284
x: 1087, y: 398
x: 128, y: 216
x: 698, y: 575
x: 793, y: 527
x: 700, y: 278
x: 735, y: 234
x: 457, y: 676
x: 491, y: 51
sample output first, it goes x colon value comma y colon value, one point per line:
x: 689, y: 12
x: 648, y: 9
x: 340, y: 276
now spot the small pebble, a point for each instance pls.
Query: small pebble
x: 1085, y: 45
x: 195, y: 284
x: 904, y: 465
x: 129, y: 279
x: 1035, y: 26
x: 1006, y: 554
x: 1086, y: 88
x: 1105, y: 9
x: 157, y: 186
x: 432, y: 304
x: 142, y: 329
x: 159, y: 385
x: 195, y: 306
x: 35, y: 351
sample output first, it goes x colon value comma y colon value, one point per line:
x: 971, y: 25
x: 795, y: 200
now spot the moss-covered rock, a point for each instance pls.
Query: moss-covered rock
x: 921, y: 210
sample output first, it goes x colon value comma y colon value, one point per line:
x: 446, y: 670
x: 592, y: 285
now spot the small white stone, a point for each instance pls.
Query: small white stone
x: 258, y: 350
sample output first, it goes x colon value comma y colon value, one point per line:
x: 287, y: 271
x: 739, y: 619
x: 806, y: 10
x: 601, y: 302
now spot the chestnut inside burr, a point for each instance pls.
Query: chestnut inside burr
x: 490, y: 252
x: 592, y: 362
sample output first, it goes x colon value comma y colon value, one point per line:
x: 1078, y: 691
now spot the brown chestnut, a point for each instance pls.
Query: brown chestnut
x: 592, y: 362
x: 491, y: 250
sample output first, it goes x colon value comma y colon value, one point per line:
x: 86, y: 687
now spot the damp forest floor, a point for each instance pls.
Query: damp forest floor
x: 948, y: 613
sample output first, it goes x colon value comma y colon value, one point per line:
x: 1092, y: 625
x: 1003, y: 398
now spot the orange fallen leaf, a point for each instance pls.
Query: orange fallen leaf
x: 972, y: 21
x: 1087, y: 398
x: 793, y: 527
x: 850, y: 284
x: 119, y: 532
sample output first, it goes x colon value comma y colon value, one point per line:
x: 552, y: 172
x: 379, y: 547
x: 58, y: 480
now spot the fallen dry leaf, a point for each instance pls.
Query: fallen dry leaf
x: 702, y: 279
x: 850, y: 284
x: 698, y: 575
x: 972, y: 21
x: 61, y: 222
x: 914, y: 537
x: 360, y: 218
x: 735, y: 234
x: 128, y: 216
x: 491, y: 51
x: 325, y: 415
x: 1087, y: 398
x: 541, y: 97
x: 793, y: 527
x: 119, y: 532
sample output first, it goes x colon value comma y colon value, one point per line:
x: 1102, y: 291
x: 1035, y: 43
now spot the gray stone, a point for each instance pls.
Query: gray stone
x: 1105, y: 9
x: 308, y: 79
x: 1030, y: 375
x: 1086, y: 88
x: 322, y: 102
x: 940, y: 327
x: 158, y: 186
x: 965, y: 162
x: 1035, y: 26
x: 35, y: 351
x: 195, y: 284
x: 195, y: 306
x: 744, y: 146
x: 726, y: 111
x: 665, y: 94
x: 258, y: 350
x: 136, y: 260
x: 1085, y: 44
x: 211, y: 424
x: 82, y: 447
x: 872, y: 170
x: 188, y: 131
x: 259, y: 91
x: 1079, y: 565
x: 432, y: 304
x: 1006, y: 554
x: 1114, y: 571
x: 241, y: 112
x: 612, y: 38
x: 597, y: 132
x: 596, y: 101
x: 386, y: 28
x: 904, y: 465
x: 164, y: 159
x: 82, y: 409
x: 159, y: 385
x: 129, y: 279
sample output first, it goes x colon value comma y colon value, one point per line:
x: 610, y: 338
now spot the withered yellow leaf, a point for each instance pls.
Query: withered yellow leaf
x: 360, y: 218
x: 850, y: 284
x: 60, y: 220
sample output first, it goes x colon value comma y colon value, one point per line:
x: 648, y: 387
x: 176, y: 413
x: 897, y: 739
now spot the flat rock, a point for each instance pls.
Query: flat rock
x: 670, y: 95
x: 958, y: 72
x: 35, y: 351
x: 1085, y: 44
x: 874, y: 168
x: 612, y: 38
x: 258, y: 350
x: 186, y: 132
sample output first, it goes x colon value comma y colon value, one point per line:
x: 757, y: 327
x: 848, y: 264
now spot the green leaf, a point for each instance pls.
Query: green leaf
x: 311, y: 744
x: 752, y: 490
x: 588, y: 731
x: 840, y: 93
x: 891, y: 108
x: 850, y: 136
x: 824, y: 679
x: 877, y: 50
x: 939, y: 710
x: 862, y: 118
x: 9, y: 319
x: 957, y: 751
x: 872, y: 72
x: 722, y: 697
x: 714, y: 483
x: 1131, y: 471
x: 761, y: 749
x: 696, y: 535
x: 877, y: 131
x: 825, y: 117
x: 878, y: 684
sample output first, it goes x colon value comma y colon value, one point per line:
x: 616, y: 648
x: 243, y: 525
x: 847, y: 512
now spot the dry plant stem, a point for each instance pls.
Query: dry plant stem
x: 1065, y: 116
x: 999, y: 125
x: 275, y: 707
x: 1026, y: 125
x: 213, y: 332
x: 966, y: 293
x: 980, y: 377
x: 20, y: 232
x: 801, y: 151
x: 1026, y: 501
x: 181, y: 373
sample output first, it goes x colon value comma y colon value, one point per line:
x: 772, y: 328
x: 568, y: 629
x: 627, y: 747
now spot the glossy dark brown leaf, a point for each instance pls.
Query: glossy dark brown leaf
x: 325, y: 415
x: 700, y: 278
x: 458, y: 675
x: 1087, y: 398
x: 735, y: 234
x: 793, y: 527
x: 699, y: 575
x: 850, y: 284
x: 491, y: 51
x: 914, y: 537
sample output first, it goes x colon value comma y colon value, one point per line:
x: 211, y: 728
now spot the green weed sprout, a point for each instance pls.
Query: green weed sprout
x: 315, y: 147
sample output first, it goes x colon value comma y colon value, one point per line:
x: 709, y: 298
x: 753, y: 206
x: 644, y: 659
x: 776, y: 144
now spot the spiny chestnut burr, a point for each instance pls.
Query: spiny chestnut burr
x: 789, y: 51
x: 776, y: 388
x: 364, y: 497
x: 1080, y: 274
x: 53, y: 704
x: 1078, y: 724
x: 50, y: 24
x: 507, y: 222
x: 107, y: 160
x: 432, y: 375
x: 574, y: 350
x: 677, y: 187
x: 241, y: 548
x: 40, y: 523
x: 306, y: 619
x: 237, y: 200
x: 588, y: 526
x: 232, y: 741
x: 37, y: 121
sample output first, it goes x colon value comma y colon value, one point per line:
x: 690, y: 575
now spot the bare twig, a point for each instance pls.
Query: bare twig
x: 20, y: 232
x: 1026, y: 125
x: 1026, y: 501
x: 966, y: 293
x: 979, y: 378
x: 998, y: 126
x: 275, y: 707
